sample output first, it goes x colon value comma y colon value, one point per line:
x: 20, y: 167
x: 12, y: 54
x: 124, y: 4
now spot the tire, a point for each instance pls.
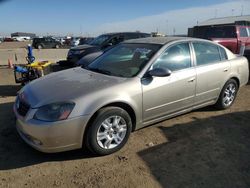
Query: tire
x: 112, y: 135
x: 57, y: 46
x: 39, y: 46
x: 227, y: 95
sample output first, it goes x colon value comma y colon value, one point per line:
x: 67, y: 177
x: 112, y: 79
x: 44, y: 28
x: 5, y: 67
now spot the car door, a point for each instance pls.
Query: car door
x: 166, y: 95
x: 49, y: 43
x: 212, y: 68
x: 53, y: 43
x: 46, y: 43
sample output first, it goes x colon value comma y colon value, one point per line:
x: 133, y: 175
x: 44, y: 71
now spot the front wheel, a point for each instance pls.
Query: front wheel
x: 227, y: 95
x: 109, y: 131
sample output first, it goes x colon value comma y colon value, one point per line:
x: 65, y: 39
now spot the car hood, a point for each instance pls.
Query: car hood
x: 68, y: 85
x: 82, y: 47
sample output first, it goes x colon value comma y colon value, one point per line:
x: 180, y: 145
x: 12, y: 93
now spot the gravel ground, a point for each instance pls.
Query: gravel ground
x: 205, y: 148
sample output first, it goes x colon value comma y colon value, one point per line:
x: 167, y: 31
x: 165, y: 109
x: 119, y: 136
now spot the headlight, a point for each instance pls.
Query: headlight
x: 54, y: 112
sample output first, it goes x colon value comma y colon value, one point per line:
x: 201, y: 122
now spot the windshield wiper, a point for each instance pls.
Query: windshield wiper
x: 99, y: 70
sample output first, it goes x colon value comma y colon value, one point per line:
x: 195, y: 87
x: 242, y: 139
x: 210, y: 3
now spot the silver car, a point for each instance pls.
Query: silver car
x: 135, y: 84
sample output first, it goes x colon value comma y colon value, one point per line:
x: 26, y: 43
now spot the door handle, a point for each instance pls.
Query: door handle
x: 225, y: 70
x: 191, y: 79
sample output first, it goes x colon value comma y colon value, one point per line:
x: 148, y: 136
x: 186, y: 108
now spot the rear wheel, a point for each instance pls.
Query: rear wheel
x: 228, y: 94
x: 39, y: 46
x: 109, y: 131
x: 57, y: 46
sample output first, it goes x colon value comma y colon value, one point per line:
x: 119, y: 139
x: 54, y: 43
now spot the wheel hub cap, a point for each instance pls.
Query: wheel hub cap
x: 229, y: 94
x: 111, y: 132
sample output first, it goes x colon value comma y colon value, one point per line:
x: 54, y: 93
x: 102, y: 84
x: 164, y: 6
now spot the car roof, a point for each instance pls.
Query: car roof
x: 157, y: 40
x: 115, y: 33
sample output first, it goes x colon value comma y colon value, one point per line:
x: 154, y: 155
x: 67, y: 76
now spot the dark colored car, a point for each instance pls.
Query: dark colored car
x: 100, y: 44
x: 45, y: 42
x: 85, y: 40
x: 233, y: 37
x: 7, y: 39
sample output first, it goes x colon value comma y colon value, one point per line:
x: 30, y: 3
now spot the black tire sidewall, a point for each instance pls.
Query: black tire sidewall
x: 101, y: 116
x: 220, y: 104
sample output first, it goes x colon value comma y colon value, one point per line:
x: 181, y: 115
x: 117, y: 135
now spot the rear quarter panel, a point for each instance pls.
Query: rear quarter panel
x: 240, y: 69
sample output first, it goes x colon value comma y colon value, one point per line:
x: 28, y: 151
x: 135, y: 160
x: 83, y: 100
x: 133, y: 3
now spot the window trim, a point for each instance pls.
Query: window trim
x: 221, y: 48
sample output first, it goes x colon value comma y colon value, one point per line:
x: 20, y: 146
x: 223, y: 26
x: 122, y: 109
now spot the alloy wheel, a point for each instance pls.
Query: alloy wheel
x: 111, y: 132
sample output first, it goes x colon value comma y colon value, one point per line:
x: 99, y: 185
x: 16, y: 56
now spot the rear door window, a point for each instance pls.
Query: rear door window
x: 206, y: 53
x: 243, y: 32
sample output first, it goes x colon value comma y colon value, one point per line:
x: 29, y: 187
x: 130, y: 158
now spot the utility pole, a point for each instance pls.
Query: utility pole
x: 232, y: 12
x: 242, y: 9
x: 167, y: 27
x: 215, y: 13
x: 81, y: 30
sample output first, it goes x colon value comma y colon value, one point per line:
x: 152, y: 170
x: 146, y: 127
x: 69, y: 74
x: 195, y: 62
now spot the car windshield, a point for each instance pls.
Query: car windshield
x: 124, y: 60
x: 99, y: 40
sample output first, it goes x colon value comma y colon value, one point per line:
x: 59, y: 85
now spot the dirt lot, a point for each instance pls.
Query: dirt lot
x: 23, y: 44
x: 206, y: 148
x: 10, y: 45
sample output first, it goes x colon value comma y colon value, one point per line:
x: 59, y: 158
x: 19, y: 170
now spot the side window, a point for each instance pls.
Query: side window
x: 206, y: 53
x: 117, y: 39
x: 128, y: 36
x: 223, y: 53
x: 243, y: 32
x: 121, y: 38
x: 175, y: 58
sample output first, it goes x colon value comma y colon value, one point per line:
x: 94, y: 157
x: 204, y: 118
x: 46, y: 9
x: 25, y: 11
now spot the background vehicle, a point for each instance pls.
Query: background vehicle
x: 8, y: 39
x: 85, y: 40
x: 133, y: 85
x: 45, y: 42
x: 74, y: 41
x: 230, y: 36
x: 100, y: 44
x: 20, y: 39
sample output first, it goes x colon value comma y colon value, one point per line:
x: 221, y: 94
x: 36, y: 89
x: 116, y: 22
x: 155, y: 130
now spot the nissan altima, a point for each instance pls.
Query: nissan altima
x: 135, y: 84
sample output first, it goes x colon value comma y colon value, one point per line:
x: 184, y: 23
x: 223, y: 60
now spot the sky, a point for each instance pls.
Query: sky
x: 91, y: 18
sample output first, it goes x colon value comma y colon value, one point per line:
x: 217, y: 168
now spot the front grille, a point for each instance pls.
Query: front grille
x: 22, y: 107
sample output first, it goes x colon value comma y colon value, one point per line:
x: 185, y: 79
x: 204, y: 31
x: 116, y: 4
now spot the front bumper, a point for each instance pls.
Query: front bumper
x: 51, y: 137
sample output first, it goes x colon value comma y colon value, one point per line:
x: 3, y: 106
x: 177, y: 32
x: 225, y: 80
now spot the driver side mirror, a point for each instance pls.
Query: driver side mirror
x: 107, y: 45
x: 160, y: 72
